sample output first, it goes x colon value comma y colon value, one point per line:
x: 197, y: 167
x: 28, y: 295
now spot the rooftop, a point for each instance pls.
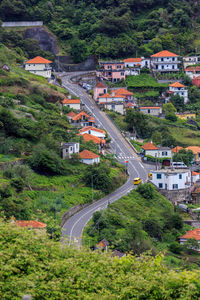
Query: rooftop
x: 86, y: 154
x: 191, y: 234
x: 197, y: 68
x: 71, y: 114
x: 177, y: 85
x: 33, y: 224
x: 149, y: 146
x: 164, y: 53
x: 80, y: 115
x: 194, y: 149
x: 150, y: 107
x: 71, y: 101
x: 171, y: 171
x: 100, y: 85
x: 122, y: 91
x: 133, y: 59
x: 38, y: 60
x: 177, y: 149
x: 88, y: 137
x: 91, y: 128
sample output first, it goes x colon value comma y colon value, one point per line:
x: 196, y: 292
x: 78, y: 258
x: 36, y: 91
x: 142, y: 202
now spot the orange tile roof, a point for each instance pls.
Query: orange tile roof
x: 80, y: 115
x: 100, y: 85
x: 123, y: 92
x: 177, y: 149
x: 105, y: 96
x: 164, y: 53
x: 194, y: 149
x: 177, y: 84
x: 88, y: 137
x: 91, y: 128
x: 71, y: 114
x: 33, y: 224
x: 86, y: 154
x: 197, y: 68
x: 150, y: 107
x: 191, y: 234
x: 71, y: 101
x: 194, y: 173
x: 38, y: 60
x: 132, y: 60
x: 91, y: 120
x: 149, y: 146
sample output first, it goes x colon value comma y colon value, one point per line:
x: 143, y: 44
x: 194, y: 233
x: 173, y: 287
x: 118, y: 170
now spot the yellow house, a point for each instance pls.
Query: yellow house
x: 186, y: 116
x: 196, y: 152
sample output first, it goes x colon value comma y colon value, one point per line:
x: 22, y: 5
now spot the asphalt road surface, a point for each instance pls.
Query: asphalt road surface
x: 73, y: 228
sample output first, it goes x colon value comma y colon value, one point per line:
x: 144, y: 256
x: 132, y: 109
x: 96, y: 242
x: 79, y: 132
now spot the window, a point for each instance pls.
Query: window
x: 160, y: 185
x: 162, y: 67
x: 172, y: 66
x: 149, y: 111
x: 175, y: 186
x: 164, y: 153
x: 122, y: 73
x: 113, y: 106
x: 159, y: 176
x: 180, y: 176
x: 173, y: 59
x: 162, y: 59
x: 104, y: 91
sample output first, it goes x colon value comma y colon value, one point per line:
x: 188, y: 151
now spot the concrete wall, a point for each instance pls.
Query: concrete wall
x: 22, y: 24
x: 65, y: 63
x: 177, y: 195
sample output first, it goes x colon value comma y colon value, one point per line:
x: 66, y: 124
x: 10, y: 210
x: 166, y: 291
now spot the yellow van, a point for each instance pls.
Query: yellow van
x: 150, y: 175
x: 137, y: 180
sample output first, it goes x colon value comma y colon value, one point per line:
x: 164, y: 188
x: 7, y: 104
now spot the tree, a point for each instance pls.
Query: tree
x: 171, y: 117
x: 169, y: 108
x: 146, y: 190
x: 184, y: 156
x: 156, y: 137
x: 178, y: 102
x: 190, y: 245
x: 139, y: 122
x: 78, y: 50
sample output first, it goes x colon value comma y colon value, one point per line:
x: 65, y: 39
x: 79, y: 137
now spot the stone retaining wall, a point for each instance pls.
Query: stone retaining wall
x: 22, y: 24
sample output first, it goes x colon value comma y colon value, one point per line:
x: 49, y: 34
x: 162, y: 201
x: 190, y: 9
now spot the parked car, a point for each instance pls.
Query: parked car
x: 178, y: 165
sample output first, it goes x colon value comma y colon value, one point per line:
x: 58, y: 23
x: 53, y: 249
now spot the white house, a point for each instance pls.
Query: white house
x: 115, y: 106
x: 39, y: 66
x: 190, y: 61
x: 72, y: 103
x: 171, y: 179
x: 151, y: 110
x: 164, y: 61
x: 191, y: 234
x: 177, y: 88
x: 192, y: 72
x: 68, y: 149
x: 133, y: 62
x: 93, y: 131
x: 159, y: 152
x: 195, y: 176
x: 88, y: 157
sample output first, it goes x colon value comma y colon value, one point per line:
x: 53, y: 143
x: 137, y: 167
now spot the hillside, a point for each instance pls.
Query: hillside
x: 32, y: 264
x: 114, y: 29
x: 34, y: 180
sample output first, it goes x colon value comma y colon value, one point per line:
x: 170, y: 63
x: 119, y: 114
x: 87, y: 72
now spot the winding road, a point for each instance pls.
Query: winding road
x: 74, y: 226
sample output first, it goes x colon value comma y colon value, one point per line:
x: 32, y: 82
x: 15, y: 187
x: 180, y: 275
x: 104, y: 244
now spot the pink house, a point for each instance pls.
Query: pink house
x: 99, y: 89
x: 196, y: 81
x: 112, y: 71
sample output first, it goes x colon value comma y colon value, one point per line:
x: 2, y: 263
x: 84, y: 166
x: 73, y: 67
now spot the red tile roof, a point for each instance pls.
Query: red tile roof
x: 123, y: 92
x: 149, y: 146
x: 71, y: 101
x: 164, y: 53
x: 71, y: 114
x: 88, y: 137
x: 80, y: 115
x: 91, y: 128
x: 191, y: 234
x: 177, y: 84
x: 100, y: 85
x: 177, y: 149
x: 133, y: 59
x: 92, y: 120
x: 150, y: 107
x: 194, y: 173
x: 194, y: 149
x: 33, y: 224
x: 86, y: 154
x: 38, y: 60
x: 194, y: 69
x: 105, y: 96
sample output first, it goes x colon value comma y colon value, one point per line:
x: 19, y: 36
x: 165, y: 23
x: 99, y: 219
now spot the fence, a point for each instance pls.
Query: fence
x: 22, y: 24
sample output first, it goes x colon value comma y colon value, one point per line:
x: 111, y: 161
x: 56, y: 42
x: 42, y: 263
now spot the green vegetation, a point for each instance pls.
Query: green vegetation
x: 32, y: 264
x: 144, y: 81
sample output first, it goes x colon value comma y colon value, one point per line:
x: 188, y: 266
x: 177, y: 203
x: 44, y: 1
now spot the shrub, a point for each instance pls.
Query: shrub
x: 18, y: 184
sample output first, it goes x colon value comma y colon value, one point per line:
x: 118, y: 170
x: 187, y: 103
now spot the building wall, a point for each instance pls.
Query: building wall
x: 46, y: 74
x: 22, y: 24
x: 153, y: 153
x: 39, y: 69
x: 165, y: 153
x: 186, y: 116
x: 115, y: 107
x: 168, y: 180
x: 181, y: 92
x: 95, y: 133
x: 162, y: 64
x: 76, y: 106
x: 91, y: 161
x: 152, y: 112
x: 99, y: 91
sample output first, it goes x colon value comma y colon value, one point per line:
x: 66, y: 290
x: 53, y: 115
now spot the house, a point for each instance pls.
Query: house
x: 186, y: 115
x: 103, y: 244
x: 196, y: 152
x: 112, y: 71
x: 70, y: 115
x: 196, y: 81
x: 192, y: 72
x: 89, y: 158
x: 177, y: 88
x: 39, y: 66
x: 98, y: 141
x: 69, y: 148
x: 168, y: 179
x: 30, y: 224
x: 127, y: 95
x: 72, y: 103
x: 99, y: 89
x: 176, y: 149
x: 115, y: 106
x: 133, y: 62
x: 93, y: 131
x: 164, y: 62
x: 119, y: 254
x: 159, y: 152
x: 190, y: 61
x: 195, y: 176
x: 82, y: 119
x: 191, y: 234
x: 151, y: 110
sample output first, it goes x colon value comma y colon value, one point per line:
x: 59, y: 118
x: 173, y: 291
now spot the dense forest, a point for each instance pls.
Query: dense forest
x: 114, y: 28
